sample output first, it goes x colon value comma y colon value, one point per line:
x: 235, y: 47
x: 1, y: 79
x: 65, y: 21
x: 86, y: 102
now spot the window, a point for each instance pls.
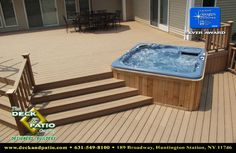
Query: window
x: 70, y: 8
x: 208, y: 3
x: 8, y: 12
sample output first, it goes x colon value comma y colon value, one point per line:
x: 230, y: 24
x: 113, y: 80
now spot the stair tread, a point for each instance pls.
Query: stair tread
x: 85, y: 97
x: 4, y: 87
x: 98, y: 107
x: 6, y: 117
x: 76, y: 87
x: 5, y: 101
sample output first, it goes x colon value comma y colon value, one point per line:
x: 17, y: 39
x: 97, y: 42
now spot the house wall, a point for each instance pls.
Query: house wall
x: 228, y: 11
x: 129, y: 10
x: 109, y: 5
x: 141, y: 10
x: 177, y: 11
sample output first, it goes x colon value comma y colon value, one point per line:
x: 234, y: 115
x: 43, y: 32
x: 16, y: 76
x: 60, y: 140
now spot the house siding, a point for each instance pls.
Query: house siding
x: 141, y: 10
x: 177, y: 10
x: 228, y: 11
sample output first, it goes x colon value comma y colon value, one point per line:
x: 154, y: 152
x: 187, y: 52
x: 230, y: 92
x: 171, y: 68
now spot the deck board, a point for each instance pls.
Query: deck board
x: 143, y: 121
x: 232, y: 95
x: 162, y: 125
x: 139, y: 118
x: 122, y: 125
x: 228, y: 115
x: 221, y: 112
x: 183, y: 128
x: 99, y: 130
x: 200, y: 117
x: 176, y: 128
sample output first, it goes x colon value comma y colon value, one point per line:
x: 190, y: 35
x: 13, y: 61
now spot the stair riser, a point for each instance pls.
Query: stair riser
x: 101, y: 113
x: 2, y: 92
x: 89, y: 102
x: 5, y: 108
x: 77, y: 92
x: 7, y: 81
x: 74, y: 81
x: 8, y: 124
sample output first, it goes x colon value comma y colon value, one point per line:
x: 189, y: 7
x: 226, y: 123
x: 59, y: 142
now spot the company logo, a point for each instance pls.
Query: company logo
x: 205, y: 17
x: 33, y: 120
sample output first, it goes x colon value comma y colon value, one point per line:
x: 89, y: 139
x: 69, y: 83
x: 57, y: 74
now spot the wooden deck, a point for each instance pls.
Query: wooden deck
x: 214, y: 122
x: 57, y: 55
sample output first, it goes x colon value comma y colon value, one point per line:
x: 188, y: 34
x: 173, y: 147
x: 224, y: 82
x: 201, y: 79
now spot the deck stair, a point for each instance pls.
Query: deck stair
x: 5, y: 108
x: 84, y: 98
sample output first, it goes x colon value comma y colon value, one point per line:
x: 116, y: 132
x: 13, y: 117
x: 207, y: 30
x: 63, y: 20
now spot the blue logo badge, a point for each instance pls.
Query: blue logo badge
x: 205, y: 17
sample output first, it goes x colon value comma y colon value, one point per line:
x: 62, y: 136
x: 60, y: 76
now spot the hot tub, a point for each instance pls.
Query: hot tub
x: 172, y: 75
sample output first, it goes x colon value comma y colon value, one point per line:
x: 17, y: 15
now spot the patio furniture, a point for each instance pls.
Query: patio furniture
x: 67, y: 23
x: 96, y: 20
x: 118, y: 16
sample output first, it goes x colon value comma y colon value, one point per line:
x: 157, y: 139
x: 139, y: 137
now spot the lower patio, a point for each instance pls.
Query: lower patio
x: 57, y: 55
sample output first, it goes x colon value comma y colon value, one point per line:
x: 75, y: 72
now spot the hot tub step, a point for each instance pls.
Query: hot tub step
x: 75, y: 90
x: 89, y: 112
x: 86, y: 100
x: 7, y: 119
x: 73, y: 81
x: 5, y: 103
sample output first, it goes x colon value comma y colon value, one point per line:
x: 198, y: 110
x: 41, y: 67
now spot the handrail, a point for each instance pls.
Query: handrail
x: 214, y: 42
x: 20, y: 95
x: 232, y: 58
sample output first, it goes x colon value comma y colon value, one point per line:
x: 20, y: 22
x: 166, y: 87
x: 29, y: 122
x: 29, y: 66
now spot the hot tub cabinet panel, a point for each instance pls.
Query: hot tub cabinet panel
x: 167, y: 90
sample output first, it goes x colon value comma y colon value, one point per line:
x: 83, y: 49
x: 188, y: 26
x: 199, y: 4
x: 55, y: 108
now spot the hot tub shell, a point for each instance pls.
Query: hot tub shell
x: 183, y: 93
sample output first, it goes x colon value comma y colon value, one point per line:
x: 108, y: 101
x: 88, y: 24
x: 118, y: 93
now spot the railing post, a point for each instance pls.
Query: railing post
x: 229, y: 33
x: 13, y: 100
x: 26, y: 56
x: 207, y: 41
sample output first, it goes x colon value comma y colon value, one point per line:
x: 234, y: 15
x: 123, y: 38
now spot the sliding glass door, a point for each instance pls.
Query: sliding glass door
x: 84, y: 6
x: 70, y: 8
x: 33, y: 12
x: 49, y: 12
x: 9, y: 17
x: 154, y: 12
x: 41, y: 13
x: 159, y: 13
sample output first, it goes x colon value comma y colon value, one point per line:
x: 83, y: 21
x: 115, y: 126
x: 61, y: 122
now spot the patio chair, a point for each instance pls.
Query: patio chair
x: 118, y: 16
x: 73, y: 23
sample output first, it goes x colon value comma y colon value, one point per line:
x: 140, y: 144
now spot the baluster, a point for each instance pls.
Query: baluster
x: 20, y: 99
x: 23, y: 96
x: 26, y: 86
x: 14, y: 102
x: 26, y: 56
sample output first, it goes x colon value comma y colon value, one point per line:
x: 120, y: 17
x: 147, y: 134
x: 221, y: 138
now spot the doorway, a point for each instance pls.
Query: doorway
x: 159, y: 12
x: 41, y: 13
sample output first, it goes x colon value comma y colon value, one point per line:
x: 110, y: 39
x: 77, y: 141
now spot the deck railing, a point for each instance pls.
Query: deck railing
x: 21, y: 92
x: 232, y: 58
x: 214, y: 42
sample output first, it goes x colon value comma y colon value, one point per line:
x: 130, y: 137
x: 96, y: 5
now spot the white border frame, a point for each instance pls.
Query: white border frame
x: 160, y: 26
x: 76, y: 8
x: 3, y: 18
